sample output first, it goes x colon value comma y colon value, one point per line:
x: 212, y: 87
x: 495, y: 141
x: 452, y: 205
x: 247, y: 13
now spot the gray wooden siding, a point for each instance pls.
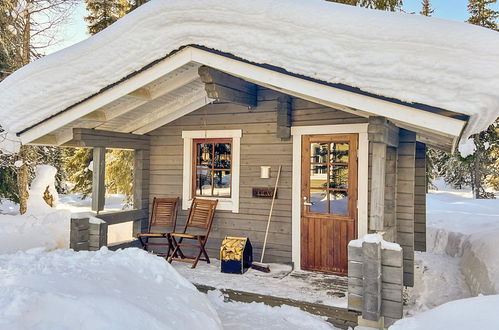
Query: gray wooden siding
x: 405, y: 201
x: 420, y: 199
x: 259, y: 147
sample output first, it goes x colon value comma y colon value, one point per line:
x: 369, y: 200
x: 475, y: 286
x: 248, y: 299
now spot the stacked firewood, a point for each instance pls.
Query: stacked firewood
x: 232, y: 248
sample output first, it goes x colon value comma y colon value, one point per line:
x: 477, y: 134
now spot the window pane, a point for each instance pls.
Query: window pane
x: 339, y: 152
x: 204, y: 154
x: 318, y: 152
x: 222, y: 155
x: 339, y: 177
x: 318, y: 186
x: 203, y: 182
x: 338, y: 202
x: 221, y: 186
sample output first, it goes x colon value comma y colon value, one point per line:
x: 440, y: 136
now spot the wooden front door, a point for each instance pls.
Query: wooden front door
x: 329, y: 201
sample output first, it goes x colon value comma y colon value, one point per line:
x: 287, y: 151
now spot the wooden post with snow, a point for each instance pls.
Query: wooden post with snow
x: 375, y: 280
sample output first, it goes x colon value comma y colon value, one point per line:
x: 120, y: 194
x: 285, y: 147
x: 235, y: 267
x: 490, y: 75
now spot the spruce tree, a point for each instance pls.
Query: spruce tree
x: 426, y: 8
x: 103, y: 13
x: 482, y: 14
x: 389, y: 5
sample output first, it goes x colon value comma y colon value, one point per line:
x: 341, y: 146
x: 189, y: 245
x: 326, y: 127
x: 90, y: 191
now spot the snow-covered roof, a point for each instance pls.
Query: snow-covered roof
x: 436, y: 62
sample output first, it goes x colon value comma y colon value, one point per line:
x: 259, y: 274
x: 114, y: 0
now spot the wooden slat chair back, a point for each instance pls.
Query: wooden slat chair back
x: 164, y: 213
x: 163, y: 221
x: 200, y: 216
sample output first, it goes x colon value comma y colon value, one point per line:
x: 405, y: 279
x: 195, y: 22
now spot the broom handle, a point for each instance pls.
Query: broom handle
x: 270, y: 214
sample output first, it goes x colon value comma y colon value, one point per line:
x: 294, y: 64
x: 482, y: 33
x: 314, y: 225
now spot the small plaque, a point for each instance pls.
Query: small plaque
x: 264, y: 192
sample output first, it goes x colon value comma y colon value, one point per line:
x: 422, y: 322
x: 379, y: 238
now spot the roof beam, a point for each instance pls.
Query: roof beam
x: 141, y: 93
x: 97, y: 115
x: 93, y: 138
x: 169, y: 117
x: 166, y: 110
x: 223, y: 87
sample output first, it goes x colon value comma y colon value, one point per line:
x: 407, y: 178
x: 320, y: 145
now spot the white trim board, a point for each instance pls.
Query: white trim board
x: 362, y: 187
x: 291, y: 85
x: 228, y: 204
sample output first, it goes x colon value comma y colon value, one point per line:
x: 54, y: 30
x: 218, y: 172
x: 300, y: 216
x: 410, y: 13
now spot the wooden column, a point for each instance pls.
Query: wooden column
x: 377, y: 210
x: 141, y: 188
x: 405, y: 201
x: 382, y: 134
x: 98, y: 186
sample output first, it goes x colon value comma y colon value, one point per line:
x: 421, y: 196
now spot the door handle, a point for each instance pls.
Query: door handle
x: 308, y: 204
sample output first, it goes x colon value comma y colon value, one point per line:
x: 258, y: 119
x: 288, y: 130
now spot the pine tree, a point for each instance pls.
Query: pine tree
x: 103, y: 13
x: 389, y: 5
x: 76, y: 164
x: 426, y: 8
x: 482, y: 14
x: 119, y: 172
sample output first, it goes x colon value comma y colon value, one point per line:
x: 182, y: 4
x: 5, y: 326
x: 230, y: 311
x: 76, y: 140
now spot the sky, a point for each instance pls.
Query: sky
x: 76, y: 30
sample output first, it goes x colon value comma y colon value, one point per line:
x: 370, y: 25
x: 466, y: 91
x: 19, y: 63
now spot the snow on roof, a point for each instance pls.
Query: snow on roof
x: 441, y: 63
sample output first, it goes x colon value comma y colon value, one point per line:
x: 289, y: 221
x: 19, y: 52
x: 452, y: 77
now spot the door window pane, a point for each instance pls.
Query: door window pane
x: 318, y: 152
x: 339, y: 152
x: 338, y: 177
x: 338, y: 202
x: 318, y: 198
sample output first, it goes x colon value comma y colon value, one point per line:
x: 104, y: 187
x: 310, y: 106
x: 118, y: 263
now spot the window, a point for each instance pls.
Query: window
x: 211, y: 167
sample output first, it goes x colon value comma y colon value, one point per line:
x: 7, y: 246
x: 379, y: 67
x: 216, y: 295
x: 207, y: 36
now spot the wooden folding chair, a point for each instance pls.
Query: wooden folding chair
x: 200, y: 216
x: 163, y: 214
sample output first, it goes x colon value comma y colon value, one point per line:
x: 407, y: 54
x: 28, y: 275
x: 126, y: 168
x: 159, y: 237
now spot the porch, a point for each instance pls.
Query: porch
x: 316, y: 293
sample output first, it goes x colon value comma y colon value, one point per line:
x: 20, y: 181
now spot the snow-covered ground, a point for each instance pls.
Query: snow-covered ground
x: 44, y: 285
x: 462, y: 262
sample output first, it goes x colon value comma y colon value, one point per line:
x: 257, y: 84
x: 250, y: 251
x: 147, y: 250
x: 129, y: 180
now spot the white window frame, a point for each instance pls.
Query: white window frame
x: 224, y: 203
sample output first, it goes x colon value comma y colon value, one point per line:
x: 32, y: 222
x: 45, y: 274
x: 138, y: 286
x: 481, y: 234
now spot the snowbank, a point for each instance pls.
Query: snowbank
x: 461, y: 226
x: 44, y: 178
x: 127, y: 289
x: 409, y: 57
x: 465, y: 314
x: 41, y: 225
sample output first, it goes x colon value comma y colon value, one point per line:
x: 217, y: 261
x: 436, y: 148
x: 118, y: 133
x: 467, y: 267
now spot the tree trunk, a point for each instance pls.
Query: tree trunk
x: 25, y: 155
x: 26, y: 151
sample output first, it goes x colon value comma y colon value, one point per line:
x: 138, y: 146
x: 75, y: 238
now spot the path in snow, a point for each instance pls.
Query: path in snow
x: 438, y: 279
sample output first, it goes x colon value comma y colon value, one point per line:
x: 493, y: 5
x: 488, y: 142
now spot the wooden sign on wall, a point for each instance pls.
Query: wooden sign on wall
x: 264, y: 192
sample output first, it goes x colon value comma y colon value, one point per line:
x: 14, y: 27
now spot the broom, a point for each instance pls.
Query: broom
x: 260, y: 265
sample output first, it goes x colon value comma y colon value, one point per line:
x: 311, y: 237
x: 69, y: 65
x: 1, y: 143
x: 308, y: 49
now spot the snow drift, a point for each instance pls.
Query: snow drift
x: 127, y: 289
x: 409, y: 57
x: 472, y: 313
x: 41, y: 225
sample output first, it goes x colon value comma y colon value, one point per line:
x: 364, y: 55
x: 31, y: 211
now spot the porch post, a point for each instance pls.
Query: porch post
x: 141, y: 187
x: 98, y: 187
